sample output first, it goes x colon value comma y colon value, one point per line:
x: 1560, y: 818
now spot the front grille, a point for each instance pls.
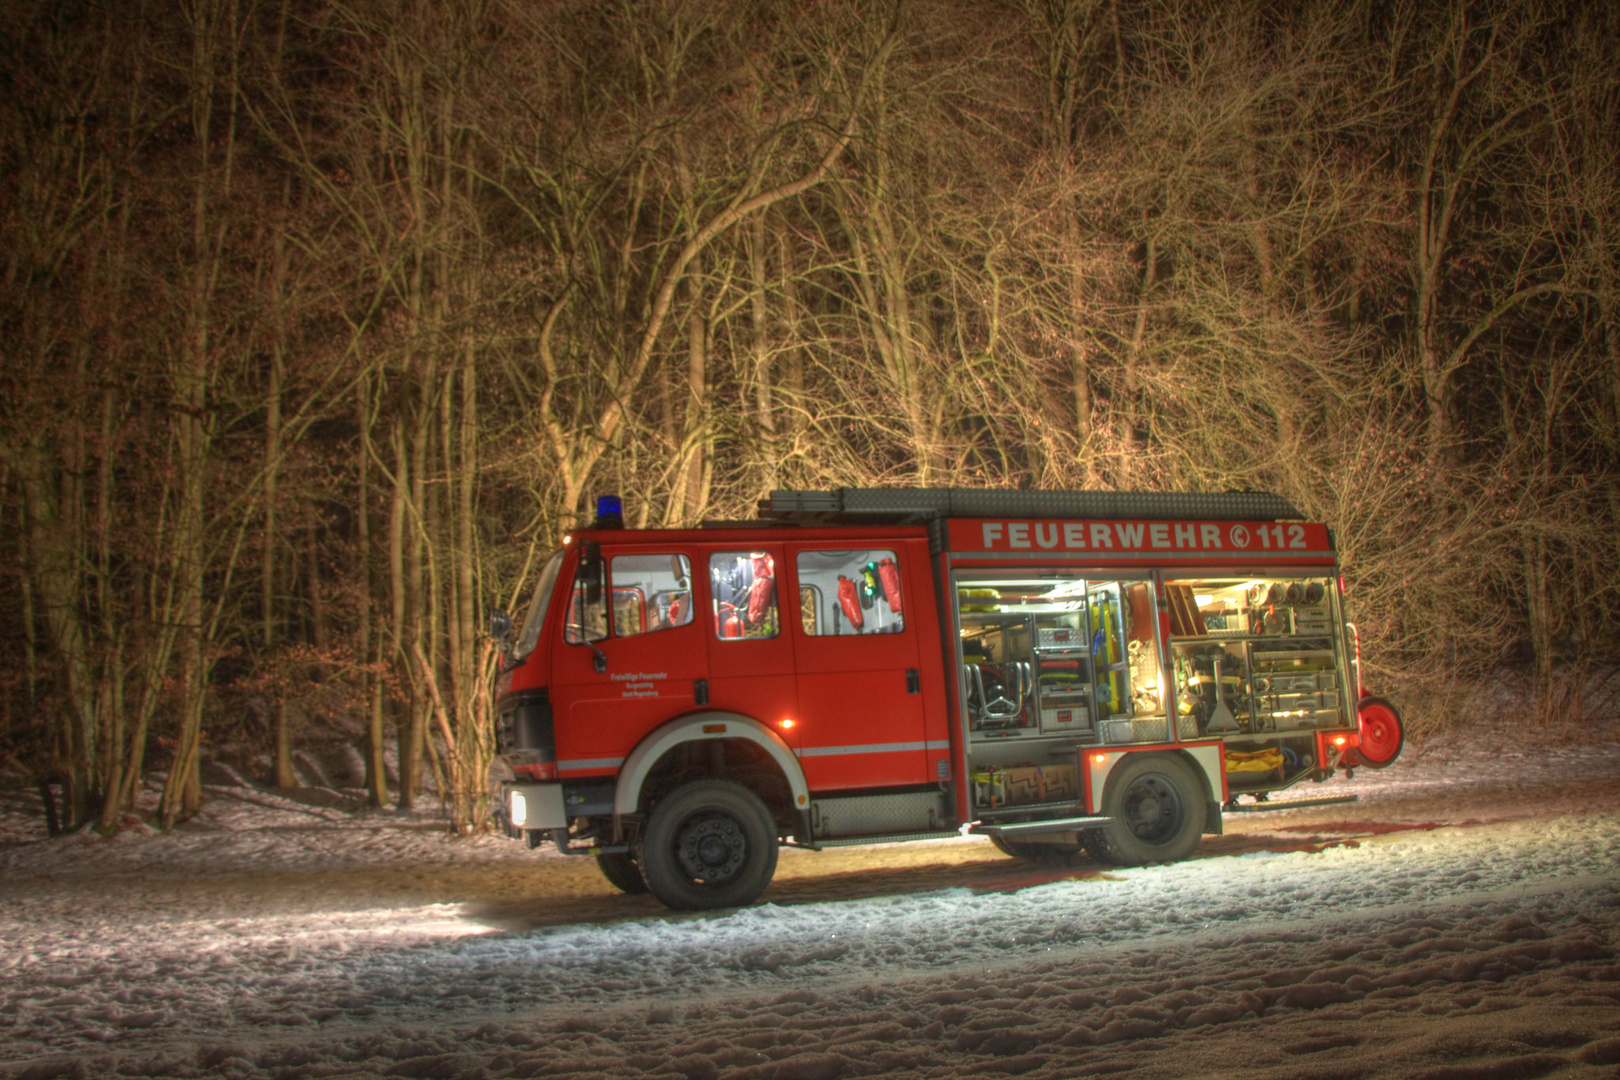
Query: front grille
x: 523, y: 731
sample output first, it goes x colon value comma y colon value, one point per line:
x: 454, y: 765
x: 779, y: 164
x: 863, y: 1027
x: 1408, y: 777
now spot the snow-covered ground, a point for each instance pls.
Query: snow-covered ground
x: 1461, y: 920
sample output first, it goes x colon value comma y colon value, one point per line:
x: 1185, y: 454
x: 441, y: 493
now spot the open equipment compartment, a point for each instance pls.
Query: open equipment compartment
x: 1256, y: 664
x: 1053, y: 663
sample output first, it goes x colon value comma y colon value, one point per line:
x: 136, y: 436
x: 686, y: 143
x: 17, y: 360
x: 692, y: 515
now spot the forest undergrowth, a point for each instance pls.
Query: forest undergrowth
x: 320, y: 324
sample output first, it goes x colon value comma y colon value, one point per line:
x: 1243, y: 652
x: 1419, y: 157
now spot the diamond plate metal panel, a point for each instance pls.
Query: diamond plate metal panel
x: 867, y: 815
x: 922, y: 504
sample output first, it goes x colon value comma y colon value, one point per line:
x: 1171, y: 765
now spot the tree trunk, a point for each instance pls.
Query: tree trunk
x: 369, y: 650
x: 400, y: 496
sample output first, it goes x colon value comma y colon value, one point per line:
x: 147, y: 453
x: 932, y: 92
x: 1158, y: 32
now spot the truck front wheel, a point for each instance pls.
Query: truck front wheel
x: 1031, y: 851
x: 1156, y: 806
x: 622, y: 872
x: 709, y: 844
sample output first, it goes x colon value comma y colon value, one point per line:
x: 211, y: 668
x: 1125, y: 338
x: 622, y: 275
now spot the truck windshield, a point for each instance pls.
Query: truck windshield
x: 537, y: 607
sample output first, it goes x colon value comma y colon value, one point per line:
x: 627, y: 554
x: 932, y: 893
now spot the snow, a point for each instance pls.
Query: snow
x: 1462, y: 919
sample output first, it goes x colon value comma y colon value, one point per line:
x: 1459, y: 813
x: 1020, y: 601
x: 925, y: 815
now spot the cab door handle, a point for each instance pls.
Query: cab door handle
x: 913, y: 681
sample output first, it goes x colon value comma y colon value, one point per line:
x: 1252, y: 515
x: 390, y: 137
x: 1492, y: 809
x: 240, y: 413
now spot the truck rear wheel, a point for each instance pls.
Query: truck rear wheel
x: 1156, y: 805
x: 622, y: 872
x: 709, y: 844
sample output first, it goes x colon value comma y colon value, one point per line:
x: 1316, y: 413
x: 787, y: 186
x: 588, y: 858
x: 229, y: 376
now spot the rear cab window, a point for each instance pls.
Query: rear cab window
x: 850, y: 592
x: 742, y: 585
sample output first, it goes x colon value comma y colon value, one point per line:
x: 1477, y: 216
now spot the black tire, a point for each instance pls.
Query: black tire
x: 1157, y: 806
x: 622, y: 872
x: 1030, y: 851
x: 709, y: 844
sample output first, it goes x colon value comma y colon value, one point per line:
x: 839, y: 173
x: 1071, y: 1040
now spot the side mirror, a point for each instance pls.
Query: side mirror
x: 589, y: 574
x: 588, y: 580
x: 500, y: 625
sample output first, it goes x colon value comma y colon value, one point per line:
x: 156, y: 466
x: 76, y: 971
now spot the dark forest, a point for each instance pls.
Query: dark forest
x: 323, y: 321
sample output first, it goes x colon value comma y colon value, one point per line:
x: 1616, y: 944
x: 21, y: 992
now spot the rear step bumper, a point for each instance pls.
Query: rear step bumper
x: 1287, y: 804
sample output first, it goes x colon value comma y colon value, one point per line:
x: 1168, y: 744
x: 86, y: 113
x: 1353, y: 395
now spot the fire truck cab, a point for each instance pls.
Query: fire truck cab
x: 1058, y: 670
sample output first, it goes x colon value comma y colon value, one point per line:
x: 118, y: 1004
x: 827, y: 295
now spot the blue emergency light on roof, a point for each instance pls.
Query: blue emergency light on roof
x: 609, y: 512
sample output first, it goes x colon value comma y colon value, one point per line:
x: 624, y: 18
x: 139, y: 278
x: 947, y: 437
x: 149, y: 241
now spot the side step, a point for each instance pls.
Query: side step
x: 1066, y: 806
x: 1286, y: 804
x: 1018, y: 828
x: 892, y: 838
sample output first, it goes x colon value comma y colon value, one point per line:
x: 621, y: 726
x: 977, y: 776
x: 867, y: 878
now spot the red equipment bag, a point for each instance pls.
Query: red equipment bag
x: 761, y: 598
x: 850, y: 601
x: 890, y: 575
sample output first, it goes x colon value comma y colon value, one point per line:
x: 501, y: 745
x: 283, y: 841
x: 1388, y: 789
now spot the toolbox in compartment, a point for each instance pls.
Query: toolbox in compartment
x: 1061, y: 716
x: 1311, y: 699
x: 1297, y: 682
x: 1060, y: 637
x: 1312, y: 620
x: 1295, y: 688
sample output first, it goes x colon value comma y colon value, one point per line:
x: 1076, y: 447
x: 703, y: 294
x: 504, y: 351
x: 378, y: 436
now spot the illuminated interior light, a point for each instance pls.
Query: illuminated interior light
x: 520, y: 809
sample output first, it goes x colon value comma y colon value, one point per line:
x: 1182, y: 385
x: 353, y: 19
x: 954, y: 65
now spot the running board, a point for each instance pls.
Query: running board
x: 1288, y: 804
x: 1065, y: 806
x: 1017, y: 828
x: 852, y: 841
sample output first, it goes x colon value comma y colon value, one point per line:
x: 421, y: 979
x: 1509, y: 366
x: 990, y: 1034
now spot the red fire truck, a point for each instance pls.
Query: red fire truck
x: 1057, y: 670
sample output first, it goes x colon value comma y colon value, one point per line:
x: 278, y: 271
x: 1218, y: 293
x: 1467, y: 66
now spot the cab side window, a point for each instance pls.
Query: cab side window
x: 645, y: 593
x: 650, y: 592
x: 853, y: 592
x: 743, y: 584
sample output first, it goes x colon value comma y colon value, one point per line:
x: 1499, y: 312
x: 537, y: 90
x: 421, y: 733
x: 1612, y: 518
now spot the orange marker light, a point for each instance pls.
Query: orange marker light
x: 1100, y: 759
x: 787, y: 723
x: 1339, y: 741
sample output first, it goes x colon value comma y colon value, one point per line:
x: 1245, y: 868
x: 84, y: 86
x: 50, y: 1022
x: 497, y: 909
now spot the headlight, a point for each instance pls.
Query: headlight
x: 520, y: 809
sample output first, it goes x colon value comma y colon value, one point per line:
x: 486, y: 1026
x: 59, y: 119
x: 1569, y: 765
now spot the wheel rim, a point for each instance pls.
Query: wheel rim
x: 711, y: 848
x: 1152, y: 809
x: 1380, y: 734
